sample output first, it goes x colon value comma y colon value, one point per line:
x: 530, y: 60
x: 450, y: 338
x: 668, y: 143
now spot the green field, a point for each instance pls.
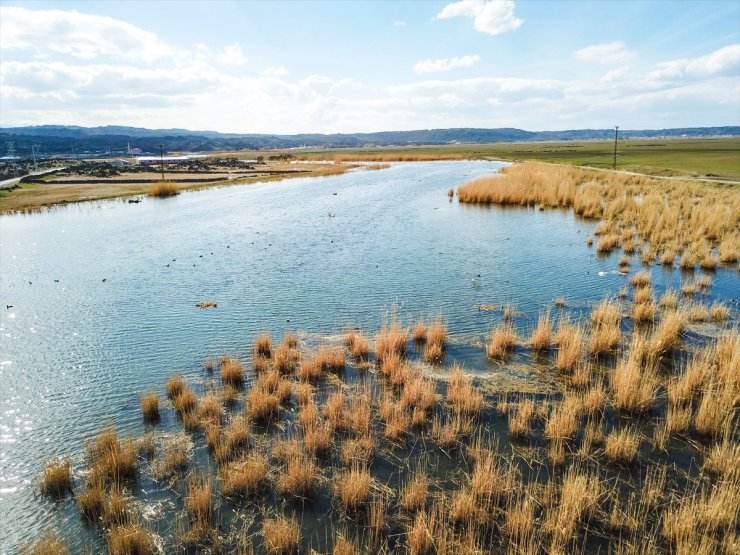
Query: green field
x: 712, y: 158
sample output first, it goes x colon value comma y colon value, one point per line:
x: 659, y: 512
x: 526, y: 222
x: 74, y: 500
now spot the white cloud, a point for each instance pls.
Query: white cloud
x: 489, y: 16
x: 83, y: 36
x: 399, y: 23
x: 232, y: 55
x: 274, y: 71
x: 610, y: 53
x: 445, y: 64
x: 723, y: 60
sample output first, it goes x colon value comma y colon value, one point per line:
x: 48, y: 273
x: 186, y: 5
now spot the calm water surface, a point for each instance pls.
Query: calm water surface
x: 103, y: 294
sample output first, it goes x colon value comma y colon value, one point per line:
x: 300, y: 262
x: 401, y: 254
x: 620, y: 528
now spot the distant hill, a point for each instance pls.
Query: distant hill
x: 62, y: 139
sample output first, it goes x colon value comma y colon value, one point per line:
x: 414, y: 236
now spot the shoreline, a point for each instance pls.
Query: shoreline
x: 40, y: 197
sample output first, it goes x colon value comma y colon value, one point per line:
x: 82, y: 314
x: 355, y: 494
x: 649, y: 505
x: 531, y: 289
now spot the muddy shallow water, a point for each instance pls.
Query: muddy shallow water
x: 101, y: 300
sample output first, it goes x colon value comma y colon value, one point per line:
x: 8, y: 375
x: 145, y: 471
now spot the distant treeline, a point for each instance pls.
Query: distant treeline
x: 70, y: 140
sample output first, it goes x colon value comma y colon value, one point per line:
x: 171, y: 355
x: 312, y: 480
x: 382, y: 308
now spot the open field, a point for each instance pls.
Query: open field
x: 711, y: 158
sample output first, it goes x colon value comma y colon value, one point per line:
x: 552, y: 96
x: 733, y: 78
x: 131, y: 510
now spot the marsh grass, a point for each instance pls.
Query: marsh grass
x: 150, y: 407
x: 502, y: 342
x: 542, y: 334
x: 352, y: 488
x: 131, y: 538
x: 47, y: 544
x: 282, y: 535
x: 57, y: 478
x: 163, y: 189
x: 621, y: 446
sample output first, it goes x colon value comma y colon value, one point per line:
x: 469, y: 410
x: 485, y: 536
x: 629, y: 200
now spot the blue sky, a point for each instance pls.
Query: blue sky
x: 291, y: 67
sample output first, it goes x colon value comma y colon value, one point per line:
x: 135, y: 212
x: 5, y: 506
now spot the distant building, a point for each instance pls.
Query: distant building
x: 135, y: 151
x: 154, y: 160
x: 119, y: 162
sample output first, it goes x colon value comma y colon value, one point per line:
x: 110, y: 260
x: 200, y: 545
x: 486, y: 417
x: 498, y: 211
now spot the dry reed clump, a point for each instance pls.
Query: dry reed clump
x: 263, y: 345
x: 317, y: 439
x: 110, y: 458
x: 150, y: 407
x: 462, y: 395
x: 330, y: 360
x: 644, y: 312
x: 492, y: 483
x: 91, y: 499
x: 606, y: 335
x: 712, y: 511
x: 352, y: 487
x: 262, y: 405
x: 414, y: 494
x: 310, y: 370
x: 163, y: 189
x: 281, y: 535
x: 579, y: 500
x: 131, y: 538
x: 433, y: 353
x: 669, y: 300
x: 232, y: 372
x: 245, y: 477
x: 260, y: 364
x: 334, y: 411
x: 723, y: 459
x: 47, y: 544
x: 641, y: 279
x: 360, y: 348
x: 286, y: 358
x: 503, y: 341
x: 396, y: 420
x: 521, y: 419
x: 419, y: 393
x: 173, y: 460
x: 633, y: 386
x: 358, y: 451
x: 565, y: 418
x: 667, y: 334
x: 57, y: 477
x: 419, y: 332
x: 464, y: 507
x: 542, y: 334
x: 300, y: 477
x: 570, y: 340
x: 621, y: 446
x: 391, y: 340
x: 594, y: 399
x: 175, y: 386
x: 437, y: 333
x: 199, y: 502
x: 719, y: 312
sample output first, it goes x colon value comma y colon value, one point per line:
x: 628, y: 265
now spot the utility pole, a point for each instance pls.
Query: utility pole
x: 616, y: 131
x: 33, y: 153
x: 161, y: 159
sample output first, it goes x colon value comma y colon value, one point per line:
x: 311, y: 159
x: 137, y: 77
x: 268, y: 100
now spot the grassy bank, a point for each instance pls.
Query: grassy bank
x: 711, y: 158
x: 30, y: 197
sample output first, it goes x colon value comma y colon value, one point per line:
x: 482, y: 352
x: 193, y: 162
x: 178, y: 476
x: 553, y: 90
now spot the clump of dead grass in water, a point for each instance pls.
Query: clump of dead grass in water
x: 352, y: 488
x: 232, y: 372
x: 57, y: 477
x: 263, y: 345
x: 131, y: 538
x: 150, y: 407
x: 622, y: 445
x: 542, y: 334
x: 391, y: 340
x: 282, y: 535
x: 47, y: 544
x: 503, y: 341
x: 633, y: 384
x: 570, y: 342
x: 462, y: 395
x: 163, y: 189
x: 245, y: 477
